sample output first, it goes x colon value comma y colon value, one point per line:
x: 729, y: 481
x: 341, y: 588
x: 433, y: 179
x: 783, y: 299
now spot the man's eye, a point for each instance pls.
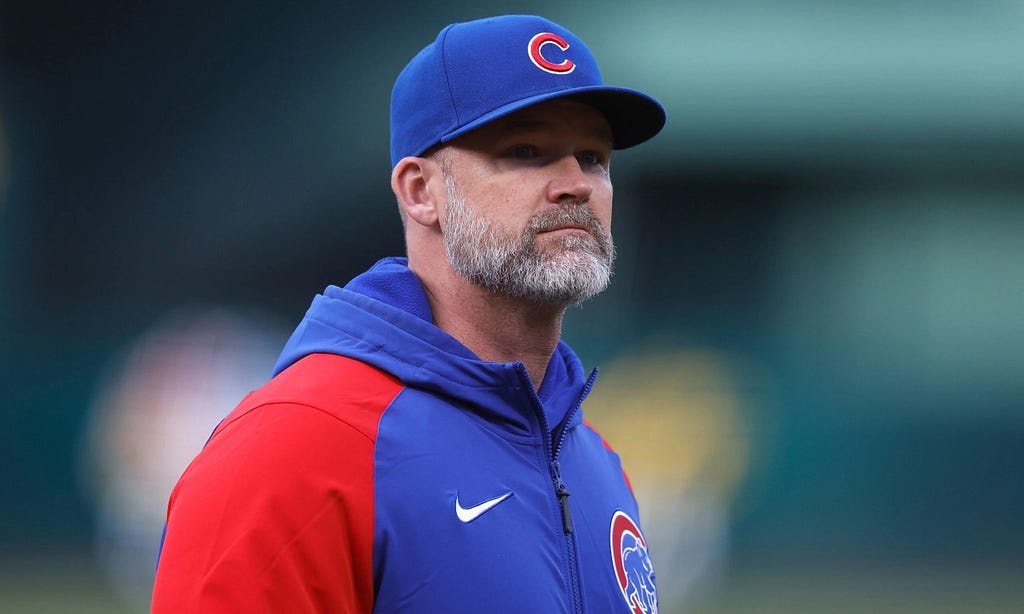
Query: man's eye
x: 524, y: 152
x: 589, y: 158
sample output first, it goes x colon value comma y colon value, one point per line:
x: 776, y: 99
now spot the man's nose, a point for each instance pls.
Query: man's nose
x: 569, y: 182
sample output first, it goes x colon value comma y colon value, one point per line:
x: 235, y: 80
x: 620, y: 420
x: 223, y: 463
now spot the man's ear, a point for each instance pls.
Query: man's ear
x: 411, y: 182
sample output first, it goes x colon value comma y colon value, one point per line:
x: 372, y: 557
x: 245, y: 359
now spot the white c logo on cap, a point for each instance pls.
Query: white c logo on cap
x: 538, y: 42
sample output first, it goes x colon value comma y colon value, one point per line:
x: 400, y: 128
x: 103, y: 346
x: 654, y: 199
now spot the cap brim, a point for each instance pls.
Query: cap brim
x: 634, y: 117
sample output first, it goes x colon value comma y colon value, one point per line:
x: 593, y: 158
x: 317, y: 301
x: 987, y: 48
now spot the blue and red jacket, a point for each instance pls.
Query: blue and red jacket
x: 385, y: 468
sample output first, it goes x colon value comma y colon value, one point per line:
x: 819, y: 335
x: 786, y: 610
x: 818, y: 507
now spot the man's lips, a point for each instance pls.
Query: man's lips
x: 568, y: 229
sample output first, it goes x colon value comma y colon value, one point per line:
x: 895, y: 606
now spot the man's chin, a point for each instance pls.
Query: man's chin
x: 576, y: 258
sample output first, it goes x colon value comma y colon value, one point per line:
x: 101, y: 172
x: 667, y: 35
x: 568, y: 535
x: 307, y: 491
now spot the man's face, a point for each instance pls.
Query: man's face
x: 529, y: 202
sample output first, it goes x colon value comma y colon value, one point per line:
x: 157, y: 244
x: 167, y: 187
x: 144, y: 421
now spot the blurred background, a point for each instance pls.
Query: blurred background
x: 812, y: 351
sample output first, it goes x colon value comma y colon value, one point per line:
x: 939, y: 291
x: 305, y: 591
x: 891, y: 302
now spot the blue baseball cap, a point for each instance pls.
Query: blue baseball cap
x: 478, y: 71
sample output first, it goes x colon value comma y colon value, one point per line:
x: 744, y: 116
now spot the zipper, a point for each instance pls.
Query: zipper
x: 563, y: 497
x: 552, y: 447
x: 558, y: 439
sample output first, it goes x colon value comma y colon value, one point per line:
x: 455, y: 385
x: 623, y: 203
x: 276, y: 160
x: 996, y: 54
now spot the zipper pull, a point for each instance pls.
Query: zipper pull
x: 563, y: 497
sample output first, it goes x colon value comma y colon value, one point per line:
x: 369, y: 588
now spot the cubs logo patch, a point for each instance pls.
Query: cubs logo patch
x: 632, y: 565
x: 536, y: 46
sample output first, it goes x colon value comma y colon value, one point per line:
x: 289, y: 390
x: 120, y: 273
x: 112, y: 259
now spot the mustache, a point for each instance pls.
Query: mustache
x: 571, y: 215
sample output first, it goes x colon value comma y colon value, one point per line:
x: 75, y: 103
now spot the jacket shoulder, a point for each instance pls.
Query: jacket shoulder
x: 343, y: 388
x: 592, y: 431
x: 281, y: 496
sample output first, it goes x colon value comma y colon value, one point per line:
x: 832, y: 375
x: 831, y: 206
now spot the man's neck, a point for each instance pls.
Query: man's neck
x: 497, y: 328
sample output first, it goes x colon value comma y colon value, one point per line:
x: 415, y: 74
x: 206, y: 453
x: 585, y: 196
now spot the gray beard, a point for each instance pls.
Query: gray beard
x: 574, y: 270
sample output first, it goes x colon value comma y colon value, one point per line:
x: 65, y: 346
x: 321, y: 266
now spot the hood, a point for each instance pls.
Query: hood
x: 382, y: 318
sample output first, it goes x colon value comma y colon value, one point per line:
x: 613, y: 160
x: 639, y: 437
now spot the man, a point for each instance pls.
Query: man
x: 417, y: 447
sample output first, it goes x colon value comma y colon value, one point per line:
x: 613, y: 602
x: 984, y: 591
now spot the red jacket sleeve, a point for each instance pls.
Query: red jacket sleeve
x: 276, y: 513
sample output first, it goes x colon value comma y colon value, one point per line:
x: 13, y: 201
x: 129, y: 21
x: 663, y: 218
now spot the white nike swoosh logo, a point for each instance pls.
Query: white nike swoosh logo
x: 472, y: 513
